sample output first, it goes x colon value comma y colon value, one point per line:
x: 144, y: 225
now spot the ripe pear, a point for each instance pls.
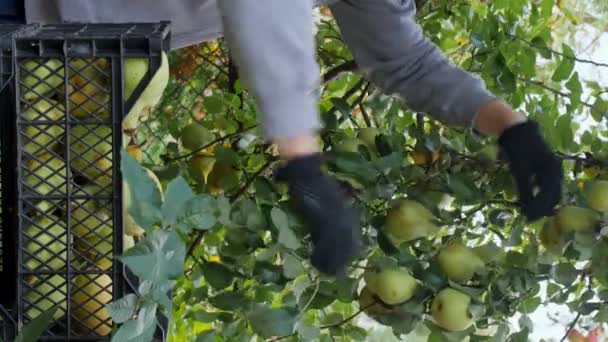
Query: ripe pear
x: 45, y: 295
x: 459, y: 262
x: 371, y: 305
x: 450, y: 310
x: 597, y: 195
x: 131, y: 228
x: 368, y: 136
x: 349, y: 145
x: 135, y: 69
x: 91, y: 224
x: 195, y: 136
x: 576, y: 219
x: 91, y: 152
x: 552, y: 236
x: 47, y: 174
x: 200, y: 166
x: 46, y: 244
x: 408, y: 221
x: 40, y: 77
x: 392, y: 285
x: 47, y: 137
x: 423, y: 157
x: 90, y: 294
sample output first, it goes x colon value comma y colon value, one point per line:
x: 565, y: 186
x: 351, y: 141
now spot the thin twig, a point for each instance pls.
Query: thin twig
x: 553, y: 90
x: 349, y: 318
x: 218, y: 140
x: 571, y: 327
x: 358, y: 102
x: 574, y: 58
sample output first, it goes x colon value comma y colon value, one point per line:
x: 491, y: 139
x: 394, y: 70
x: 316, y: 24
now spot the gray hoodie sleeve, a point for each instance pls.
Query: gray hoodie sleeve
x: 390, y: 48
x: 272, y: 42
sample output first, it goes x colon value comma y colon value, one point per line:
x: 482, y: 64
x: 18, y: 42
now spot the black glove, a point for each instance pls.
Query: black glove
x: 319, y: 202
x: 537, y: 171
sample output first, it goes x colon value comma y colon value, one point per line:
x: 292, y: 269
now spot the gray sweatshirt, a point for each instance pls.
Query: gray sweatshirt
x: 273, y: 44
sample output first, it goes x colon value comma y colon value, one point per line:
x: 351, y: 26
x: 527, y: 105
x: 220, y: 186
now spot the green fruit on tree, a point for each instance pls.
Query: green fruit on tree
x: 371, y: 305
x: 135, y: 70
x: 576, y: 219
x: 596, y: 194
x: 552, y: 236
x: 368, y: 136
x: 91, y: 152
x: 46, y: 244
x: 459, y: 262
x: 40, y: 78
x: 47, y: 137
x: 194, y: 136
x: 47, y: 174
x: 451, y: 310
x: 90, y: 294
x: 200, y: 166
x: 391, y: 285
x: 349, y: 145
x: 408, y: 221
x: 131, y: 227
x: 46, y: 295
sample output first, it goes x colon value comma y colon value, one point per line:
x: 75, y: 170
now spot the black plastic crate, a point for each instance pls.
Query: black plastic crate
x: 70, y: 100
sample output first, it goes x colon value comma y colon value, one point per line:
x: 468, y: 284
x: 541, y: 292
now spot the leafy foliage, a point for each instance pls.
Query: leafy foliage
x: 225, y: 258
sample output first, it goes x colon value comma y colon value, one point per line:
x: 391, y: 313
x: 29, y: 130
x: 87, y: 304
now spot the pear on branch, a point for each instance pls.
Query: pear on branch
x: 392, y: 285
x: 459, y: 262
x: 553, y: 237
x: 578, y: 219
x: 408, y: 221
x: 371, y: 305
x: 451, y: 310
x: 596, y: 193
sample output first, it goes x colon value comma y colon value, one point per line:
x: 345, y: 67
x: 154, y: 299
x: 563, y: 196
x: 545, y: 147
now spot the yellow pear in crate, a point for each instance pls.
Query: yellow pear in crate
x: 40, y: 77
x: 46, y: 294
x: 90, y: 294
x: 41, y: 138
x: 46, y: 244
x: 91, y: 152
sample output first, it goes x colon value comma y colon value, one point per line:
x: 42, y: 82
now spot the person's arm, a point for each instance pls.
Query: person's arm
x: 392, y: 51
x: 273, y: 44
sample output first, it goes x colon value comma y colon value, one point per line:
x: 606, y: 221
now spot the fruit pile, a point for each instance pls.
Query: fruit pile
x: 76, y: 159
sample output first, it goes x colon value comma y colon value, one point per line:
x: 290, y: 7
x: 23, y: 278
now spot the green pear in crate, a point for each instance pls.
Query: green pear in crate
x: 91, y: 152
x: 89, y: 88
x: 90, y: 294
x: 47, y: 241
x: 40, y: 138
x: 47, y: 174
x: 39, y: 78
x: 46, y: 294
x: 135, y: 70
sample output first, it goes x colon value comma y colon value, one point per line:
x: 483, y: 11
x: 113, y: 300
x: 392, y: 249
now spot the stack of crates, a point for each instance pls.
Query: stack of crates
x: 69, y: 101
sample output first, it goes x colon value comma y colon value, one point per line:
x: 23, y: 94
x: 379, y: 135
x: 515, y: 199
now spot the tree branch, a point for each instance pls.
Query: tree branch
x: 587, y: 61
x: 553, y: 90
x: 571, y: 327
x: 218, y: 140
x: 337, y: 70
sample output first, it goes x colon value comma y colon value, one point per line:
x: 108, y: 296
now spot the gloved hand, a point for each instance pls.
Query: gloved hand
x: 319, y: 202
x: 537, y: 171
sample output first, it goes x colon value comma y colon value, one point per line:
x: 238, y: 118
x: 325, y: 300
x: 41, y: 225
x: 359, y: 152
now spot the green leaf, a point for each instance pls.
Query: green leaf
x: 565, y: 66
x: 229, y: 301
x: 565, y: 274
x: 576, y: 90
x: 177, y: 194
x: 157, y: 257
x: 461, y: 186
x: 206, y: 336
x: 141, y: 329
x: 269, y: 322
x: 564, y: 130
x: 342, y: 106
x: 200, y: 213
x: 122, y: 309
x: 217, y: 275
x: 226, y: 155
x: 286, y: 236
x: 307, y: 332
x: 292, y: 267
x: 145, y: 197
x: 529, y: 305
x: 32, y: 331
x: 599, y: 109
x: 214, y: 104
